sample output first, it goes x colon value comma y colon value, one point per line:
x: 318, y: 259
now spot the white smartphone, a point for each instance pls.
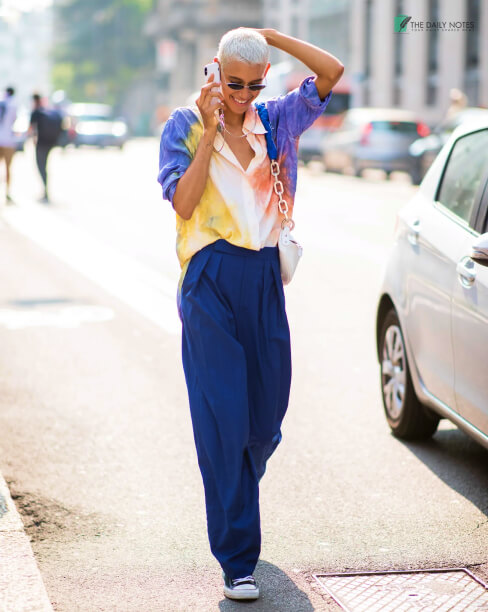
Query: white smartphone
x: 214, y: 69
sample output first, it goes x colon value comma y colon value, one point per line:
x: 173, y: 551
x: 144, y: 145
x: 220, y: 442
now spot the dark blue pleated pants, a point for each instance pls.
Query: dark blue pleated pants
x: 236, y: 357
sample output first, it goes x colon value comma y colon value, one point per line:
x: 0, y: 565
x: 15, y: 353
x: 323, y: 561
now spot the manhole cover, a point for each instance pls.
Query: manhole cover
x: 456, y: 590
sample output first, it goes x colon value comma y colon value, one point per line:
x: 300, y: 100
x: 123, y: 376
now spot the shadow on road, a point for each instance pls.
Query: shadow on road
x: 459, y: 461
x: 278, y: 593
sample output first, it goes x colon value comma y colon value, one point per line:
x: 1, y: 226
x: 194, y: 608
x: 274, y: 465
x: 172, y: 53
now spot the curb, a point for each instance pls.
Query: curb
x: 21, y: 585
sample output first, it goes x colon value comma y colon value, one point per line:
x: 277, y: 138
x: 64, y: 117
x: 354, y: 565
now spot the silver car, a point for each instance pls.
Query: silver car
x: 373, y: 138
x: 94, y: 124
x: 432, y: 317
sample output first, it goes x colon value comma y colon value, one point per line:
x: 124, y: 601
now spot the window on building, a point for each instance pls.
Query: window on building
x: 366, y: 94
x: 432, y: 88
x: 432, y: 55
x: 397, y: 92
x: 398, y: 40
x: 472, y: 56
x: 473, y: 37
x: 368, y: 24
x: 398, y: 59
x: 433, y: 34
x: 295, y: 26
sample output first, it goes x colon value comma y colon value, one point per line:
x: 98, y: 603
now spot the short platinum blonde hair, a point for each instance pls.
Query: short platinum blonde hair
x: 243, y: 45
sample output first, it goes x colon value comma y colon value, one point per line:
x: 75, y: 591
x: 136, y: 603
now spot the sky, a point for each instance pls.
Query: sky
x: 24, y: 5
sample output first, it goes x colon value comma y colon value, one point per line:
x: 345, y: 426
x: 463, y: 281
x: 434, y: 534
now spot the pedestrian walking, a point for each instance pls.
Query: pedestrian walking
x: 8, y: 115
x: 215, y: 170
x: 46, y: 124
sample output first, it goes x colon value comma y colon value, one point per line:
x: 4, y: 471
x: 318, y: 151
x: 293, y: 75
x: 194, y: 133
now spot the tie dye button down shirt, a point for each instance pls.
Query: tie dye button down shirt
x: 237, y: 205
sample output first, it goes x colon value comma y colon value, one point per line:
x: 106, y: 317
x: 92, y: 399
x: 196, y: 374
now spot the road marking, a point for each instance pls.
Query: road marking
x: 149, y: 293
x: 68, y: 317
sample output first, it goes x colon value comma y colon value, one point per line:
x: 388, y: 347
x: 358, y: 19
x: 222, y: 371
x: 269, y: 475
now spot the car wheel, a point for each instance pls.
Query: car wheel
x: 407, y: 417
x: 356, y: 168
x: 416, y: 178
x: 416, y: 172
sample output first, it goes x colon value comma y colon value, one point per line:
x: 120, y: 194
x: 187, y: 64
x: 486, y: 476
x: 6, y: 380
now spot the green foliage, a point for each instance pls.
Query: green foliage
x: 101, y: 48
x: 63, y: 75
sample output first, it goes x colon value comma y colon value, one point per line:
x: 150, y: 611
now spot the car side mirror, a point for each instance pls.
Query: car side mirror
x: 479, y: 250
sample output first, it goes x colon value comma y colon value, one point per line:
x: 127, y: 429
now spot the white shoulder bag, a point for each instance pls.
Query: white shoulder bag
x: 289, y: 249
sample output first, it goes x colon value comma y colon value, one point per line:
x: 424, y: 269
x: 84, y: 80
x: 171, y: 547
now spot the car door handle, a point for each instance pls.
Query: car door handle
x: 466, y: 272
x: 413, y: 232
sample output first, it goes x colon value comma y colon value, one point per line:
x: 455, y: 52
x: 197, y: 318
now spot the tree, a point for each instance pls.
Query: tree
x: 101, y: 48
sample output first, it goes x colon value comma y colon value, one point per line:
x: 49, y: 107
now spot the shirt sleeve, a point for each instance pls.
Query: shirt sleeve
x: 296, y: 111
x: 174, y: 155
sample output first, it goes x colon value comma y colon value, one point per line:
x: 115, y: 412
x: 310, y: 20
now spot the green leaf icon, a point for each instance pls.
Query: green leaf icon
x: 401, y: 22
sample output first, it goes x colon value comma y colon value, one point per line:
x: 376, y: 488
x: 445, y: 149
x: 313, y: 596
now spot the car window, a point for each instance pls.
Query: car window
x: 451, y: 125
x: 398, y: 127
x: 93, y: 118
x: 339, y: 103
x: 466, y: 166
x: 462, y: 117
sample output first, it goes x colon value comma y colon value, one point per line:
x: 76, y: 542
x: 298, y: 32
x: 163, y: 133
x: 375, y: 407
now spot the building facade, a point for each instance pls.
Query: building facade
x: 25, y: 45
x: 413, y: 69
x: 186, y: 34
x: 444, y: 46
x: 324, y: 23
x: 287, y: 16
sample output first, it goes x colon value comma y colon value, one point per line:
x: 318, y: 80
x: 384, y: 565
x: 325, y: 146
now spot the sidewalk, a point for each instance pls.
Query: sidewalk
x: 21, y: 585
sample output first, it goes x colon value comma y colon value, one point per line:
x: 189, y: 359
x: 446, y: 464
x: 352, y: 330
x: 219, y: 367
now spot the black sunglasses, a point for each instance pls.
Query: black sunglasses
x: 239, y: 86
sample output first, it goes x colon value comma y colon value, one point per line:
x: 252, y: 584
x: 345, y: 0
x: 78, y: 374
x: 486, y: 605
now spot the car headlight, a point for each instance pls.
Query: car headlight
x: 119, y: 128
x: 85, y: 129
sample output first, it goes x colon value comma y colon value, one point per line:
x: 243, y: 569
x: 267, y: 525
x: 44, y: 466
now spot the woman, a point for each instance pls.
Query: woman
x: 215, y: 170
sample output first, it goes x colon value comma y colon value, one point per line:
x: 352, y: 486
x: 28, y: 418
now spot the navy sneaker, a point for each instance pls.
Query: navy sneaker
x: 241, y: 588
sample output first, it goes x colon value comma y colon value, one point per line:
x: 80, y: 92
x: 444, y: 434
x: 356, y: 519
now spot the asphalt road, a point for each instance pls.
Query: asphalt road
x: 96, y: 438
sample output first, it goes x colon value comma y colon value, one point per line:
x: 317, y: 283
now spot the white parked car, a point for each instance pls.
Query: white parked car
x: 432, y: 318
x: 94, y: 124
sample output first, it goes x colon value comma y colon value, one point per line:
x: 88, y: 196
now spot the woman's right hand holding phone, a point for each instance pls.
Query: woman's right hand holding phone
x: 210, y: 101
x: 191, y: 185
